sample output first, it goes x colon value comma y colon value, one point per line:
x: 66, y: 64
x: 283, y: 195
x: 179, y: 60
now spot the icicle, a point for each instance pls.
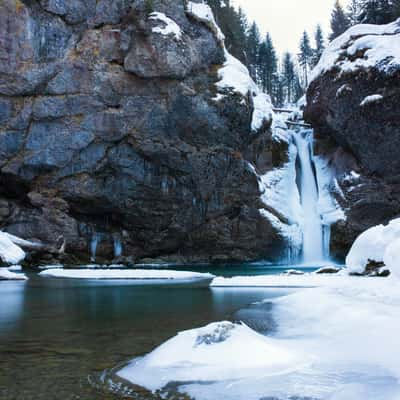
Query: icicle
x: 93, y: 246
x: 117, y: 247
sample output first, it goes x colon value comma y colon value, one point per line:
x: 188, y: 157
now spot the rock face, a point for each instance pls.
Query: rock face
x: 109, y: 134
x: 353, y: 104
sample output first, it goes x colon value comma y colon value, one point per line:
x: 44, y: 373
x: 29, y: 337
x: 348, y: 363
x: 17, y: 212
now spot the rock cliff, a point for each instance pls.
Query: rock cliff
x: 114, y: 132
x: 353, y: 104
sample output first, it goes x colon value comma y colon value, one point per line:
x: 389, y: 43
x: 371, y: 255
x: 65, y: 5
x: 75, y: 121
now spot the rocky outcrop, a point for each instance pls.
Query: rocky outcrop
x: 353, y: 104
x: 110, y: 133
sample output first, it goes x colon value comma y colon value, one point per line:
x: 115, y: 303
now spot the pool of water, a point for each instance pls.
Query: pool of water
x: 58, y: 336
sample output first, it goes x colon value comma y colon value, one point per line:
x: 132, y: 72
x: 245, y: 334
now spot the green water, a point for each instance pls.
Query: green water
x: 58, y: 336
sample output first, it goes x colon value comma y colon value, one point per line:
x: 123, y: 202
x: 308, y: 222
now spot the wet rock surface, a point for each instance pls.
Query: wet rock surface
x: 108, y: 128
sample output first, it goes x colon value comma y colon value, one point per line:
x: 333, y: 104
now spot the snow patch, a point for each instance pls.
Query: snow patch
x: 375, y: 98
x: 170, y: 28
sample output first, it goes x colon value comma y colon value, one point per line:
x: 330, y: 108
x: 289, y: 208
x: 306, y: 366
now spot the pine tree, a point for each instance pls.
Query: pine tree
x: 396, y: 9
x: 279, y: 90
x: 298, y: 89
x: 376, y: 12
x: 339, y: 21
x: 253, y: 47
x: 289, y: 76
x: 305, y: 56
x: 319, y: 45
x: 267, y: 63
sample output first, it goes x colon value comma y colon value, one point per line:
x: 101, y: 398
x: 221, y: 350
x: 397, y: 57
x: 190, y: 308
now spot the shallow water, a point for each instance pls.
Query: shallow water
x: 58, y: 336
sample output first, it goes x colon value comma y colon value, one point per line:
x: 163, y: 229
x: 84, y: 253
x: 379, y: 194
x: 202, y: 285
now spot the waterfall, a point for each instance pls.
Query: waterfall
x: 314, y: 248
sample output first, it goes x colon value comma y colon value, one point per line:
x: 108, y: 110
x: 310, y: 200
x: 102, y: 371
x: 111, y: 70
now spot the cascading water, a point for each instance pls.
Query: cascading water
x: 314, y: 248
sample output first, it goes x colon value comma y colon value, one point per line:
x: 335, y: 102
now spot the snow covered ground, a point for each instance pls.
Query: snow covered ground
x: 335, y: 341
x: 134, y: 274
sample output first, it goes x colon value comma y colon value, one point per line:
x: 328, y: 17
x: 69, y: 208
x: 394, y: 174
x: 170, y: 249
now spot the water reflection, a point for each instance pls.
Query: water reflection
x: 11, y: 305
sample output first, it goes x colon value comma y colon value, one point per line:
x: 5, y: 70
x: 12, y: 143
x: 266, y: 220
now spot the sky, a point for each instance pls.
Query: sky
x: 287, y: 19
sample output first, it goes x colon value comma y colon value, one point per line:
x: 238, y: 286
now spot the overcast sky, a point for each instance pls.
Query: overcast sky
x: 287, y: 19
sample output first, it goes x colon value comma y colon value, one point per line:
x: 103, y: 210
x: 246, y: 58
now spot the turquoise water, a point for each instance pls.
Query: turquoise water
x: 58, y: 336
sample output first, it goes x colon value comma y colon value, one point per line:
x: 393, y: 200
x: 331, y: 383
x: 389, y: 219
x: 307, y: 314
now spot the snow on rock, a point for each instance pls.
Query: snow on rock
x: 262, y: 111
x: 170, y: 28
x: 233, y: 74
x: 10, y: 253
x: 363, y: 47
x: 375, y: 98
x: 218, y: 352
x: 138, y: 274
x: 7, y: 275
x: 375, y: 244
x: 236, y: 77
x: 202, y: 12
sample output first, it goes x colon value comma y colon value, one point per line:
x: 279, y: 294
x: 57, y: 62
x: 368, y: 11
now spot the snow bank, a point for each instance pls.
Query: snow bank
x: 6, y: 274
x: 333, y: 342
x: 220, y: 351
x: 10, y: 253
x: 363, y: 47
x: 137, y: 274
x: 376, y: 244
x: 286, y: 281
x: 170, y: 28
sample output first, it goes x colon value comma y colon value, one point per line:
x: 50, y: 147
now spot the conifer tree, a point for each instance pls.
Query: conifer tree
x: 376, y: 12
x: 253, y: 47
x: 396, y: 9
x: 339, y: 21
x: 305, y: 56
x: 289, y: 76
x: 319, y: 45
x: 267, y: 64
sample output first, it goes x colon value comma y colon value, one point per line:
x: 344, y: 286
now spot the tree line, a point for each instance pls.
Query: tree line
x: 376, y: 12
x: 285, y: 78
